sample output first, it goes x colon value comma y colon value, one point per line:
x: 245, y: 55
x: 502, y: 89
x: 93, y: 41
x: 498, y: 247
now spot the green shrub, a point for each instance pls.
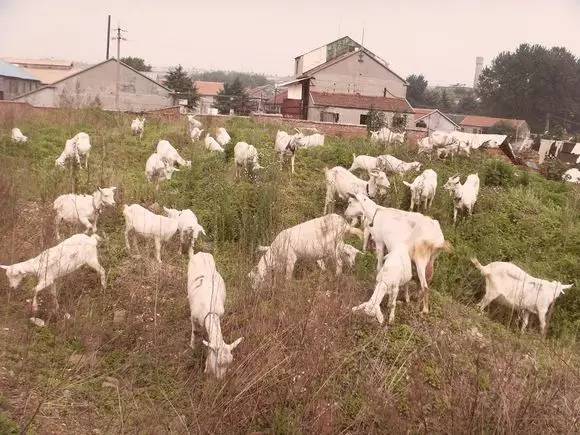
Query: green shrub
x: 498, y: 173
x: 553, y: 169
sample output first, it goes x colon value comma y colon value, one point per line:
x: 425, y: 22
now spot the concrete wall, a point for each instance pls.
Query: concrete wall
x: 436, y: 121
x: 295, y: 91
x: 311, y: 59
x: 11, y: 87
x: 137, y: 93
x: 352, y: 116
x: 353, y: 77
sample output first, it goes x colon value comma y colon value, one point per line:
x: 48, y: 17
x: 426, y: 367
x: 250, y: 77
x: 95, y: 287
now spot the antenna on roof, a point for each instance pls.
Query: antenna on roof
x: 362, y: 42
x: 360, y: 53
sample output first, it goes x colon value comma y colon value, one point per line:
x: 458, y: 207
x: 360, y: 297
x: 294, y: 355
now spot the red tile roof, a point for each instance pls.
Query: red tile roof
x: 488, y: 121
x: 354, y: 101
x: 208, y: 88
x: 420, y: 112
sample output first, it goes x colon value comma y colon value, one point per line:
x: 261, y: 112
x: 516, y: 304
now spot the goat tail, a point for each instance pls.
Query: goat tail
x: 477, y: 264
x: 354, y: 231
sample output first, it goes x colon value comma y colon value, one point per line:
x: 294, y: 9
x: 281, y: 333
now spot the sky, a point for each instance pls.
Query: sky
x: 439, y: 39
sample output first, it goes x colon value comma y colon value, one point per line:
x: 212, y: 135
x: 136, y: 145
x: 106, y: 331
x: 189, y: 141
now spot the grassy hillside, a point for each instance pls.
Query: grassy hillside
x: 307, y: 363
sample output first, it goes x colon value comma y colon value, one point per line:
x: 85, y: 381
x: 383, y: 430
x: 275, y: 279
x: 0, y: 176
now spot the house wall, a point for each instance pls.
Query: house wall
x: 436, y: 121
x: 295, y: 91
x: 205, y: 104
x: 353, y: 77
x: 137, y: 93
x: 352, y: 116
x: 11, y: 87
x: 310, y: 60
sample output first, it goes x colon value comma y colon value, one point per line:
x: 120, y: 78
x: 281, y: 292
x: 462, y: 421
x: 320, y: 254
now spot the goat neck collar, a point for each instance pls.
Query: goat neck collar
x: 374, y: 216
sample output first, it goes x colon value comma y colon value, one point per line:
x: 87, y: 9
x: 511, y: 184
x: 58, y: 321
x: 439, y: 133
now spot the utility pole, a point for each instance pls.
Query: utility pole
x: 547, y: 122
x: 118, y: 38
x: 108, y: 35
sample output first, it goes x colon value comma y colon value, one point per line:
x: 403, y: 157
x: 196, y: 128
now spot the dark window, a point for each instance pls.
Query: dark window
x: 421, y: 124
x: 329, y: 117
x: 363, y: 119
x: 1, y: 95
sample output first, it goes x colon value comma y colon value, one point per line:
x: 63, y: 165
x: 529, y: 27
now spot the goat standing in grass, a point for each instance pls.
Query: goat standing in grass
x: 464, y: 195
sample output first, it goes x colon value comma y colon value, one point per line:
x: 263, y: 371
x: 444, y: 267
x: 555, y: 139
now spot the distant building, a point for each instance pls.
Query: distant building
x: 432, y: 119
x: 207, y: 92
x: 47, y: 71
x: 478, y: 70
x: 15, y: 81
x: 96, y: 86
x: 340, y: 82
x: 482, y: 124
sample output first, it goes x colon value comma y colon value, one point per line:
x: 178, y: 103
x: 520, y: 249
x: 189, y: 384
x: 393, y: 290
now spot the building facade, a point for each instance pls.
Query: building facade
x: 483, y: 124
x: 207, y: 96
x: 15, y: 81
x: 433, y: 120
x: 96, y: 86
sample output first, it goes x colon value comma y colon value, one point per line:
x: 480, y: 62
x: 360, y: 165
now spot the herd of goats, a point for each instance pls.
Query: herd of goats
x: 407, y: 237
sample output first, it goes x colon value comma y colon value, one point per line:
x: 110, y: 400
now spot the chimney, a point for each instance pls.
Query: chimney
x: 478, y: 69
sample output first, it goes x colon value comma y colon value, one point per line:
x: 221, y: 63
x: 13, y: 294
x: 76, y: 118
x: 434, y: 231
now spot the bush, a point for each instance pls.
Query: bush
x: 375, y: 120
x: 498, y: 173
x: 399, y: 122
x: 553, y: 169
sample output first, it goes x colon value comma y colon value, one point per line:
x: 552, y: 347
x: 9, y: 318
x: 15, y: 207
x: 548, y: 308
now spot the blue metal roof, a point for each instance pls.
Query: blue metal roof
x: 9, y: 70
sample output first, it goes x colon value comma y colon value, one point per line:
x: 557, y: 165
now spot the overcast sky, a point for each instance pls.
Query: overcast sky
x: 437, y: 38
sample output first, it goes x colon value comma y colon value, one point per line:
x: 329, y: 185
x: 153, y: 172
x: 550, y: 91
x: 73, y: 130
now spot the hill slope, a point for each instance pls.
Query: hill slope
x: 307, y: 363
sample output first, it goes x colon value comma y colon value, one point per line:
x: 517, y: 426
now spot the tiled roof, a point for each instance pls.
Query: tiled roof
x: 354, y: 101
x: 208, y: 88
x: 9, y: 70
x: 487, y: 121
x: 40, y: 62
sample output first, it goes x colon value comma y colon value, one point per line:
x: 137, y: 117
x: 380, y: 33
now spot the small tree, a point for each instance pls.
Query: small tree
x: 233, y: 96
x: 444, y: 102
x: 399, y: 122
x: 178, y: 80
x: 137, y: 63
x: 503, y: 127
x: 375, y: 120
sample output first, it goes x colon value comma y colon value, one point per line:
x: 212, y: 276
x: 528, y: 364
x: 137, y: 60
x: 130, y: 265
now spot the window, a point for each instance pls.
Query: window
x: 329, y: 116
x: 363, y: 119
x: 1, y: 95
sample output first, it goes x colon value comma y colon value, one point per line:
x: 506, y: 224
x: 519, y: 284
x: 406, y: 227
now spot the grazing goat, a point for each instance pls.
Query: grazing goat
x: 195, y: 133
x: 82, y: 209
x: 311, y: 141
x: 60, y: 260
x: 157, y: 170
x: 387, y: 136
x: 170, y: 155
x: 211, y: 144
x: 187, y: 225
x: 340, y: 182
x: 316, y: 239
x: 17, y: 135
x: 193, y: 122
x: 222, y: 137
x: 464, y: 195
x: 455, y: 148
x: 149, y: 225
x: 138, y: 126
x: 423, y: 236
x: 246, y: 157
x: 392, y: 165
x: 572, y: 175
x: 366, y: 163
x: 513, y: 287
x: 396, y: 271
x: 79, y: 145
x: 423, y: 189
x: 287, y: 145
x: 206, y: 292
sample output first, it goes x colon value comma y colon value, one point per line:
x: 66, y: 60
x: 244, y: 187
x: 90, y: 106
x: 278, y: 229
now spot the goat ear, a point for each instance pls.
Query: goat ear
x: 235, y: 343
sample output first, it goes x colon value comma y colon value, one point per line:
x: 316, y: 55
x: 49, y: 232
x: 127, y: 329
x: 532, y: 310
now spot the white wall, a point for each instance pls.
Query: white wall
x: 352, y: 116
x: 312, y: 59
x: 436, y: 121
x: 295, y: 91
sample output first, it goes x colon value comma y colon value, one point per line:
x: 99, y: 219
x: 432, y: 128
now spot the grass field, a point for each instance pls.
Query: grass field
x: 307, y: 364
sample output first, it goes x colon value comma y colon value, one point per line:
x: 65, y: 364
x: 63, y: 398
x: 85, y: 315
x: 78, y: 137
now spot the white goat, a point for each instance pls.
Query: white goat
x: 17, y: 135
x: 60, y: 260
x: 464, y: 195
x: 458, y: 147
x: 572, y: 175
x: 187, y: 225
x: 157, y: 170
x: 316, y: 239
x: 222, y: 137
x: 396, y: 271
x: 387, y: 136
x: 311, y: 141
x: 366, y: 163
x: 287, y: 145
x: 392, y: 165
x: 138, y: 126
x: 170, y: 155
x: 206, y: 292
x: 82, y: 209
x: 195, y: 133
x: 513, y: 287
x: 75, y: 148
x: 193, y: 122
x: 211, y: 144
x: 340, y: 182
x: 423, y: 236
x: 246, y: 157
x: 423, y: 189
x: 149, y: 225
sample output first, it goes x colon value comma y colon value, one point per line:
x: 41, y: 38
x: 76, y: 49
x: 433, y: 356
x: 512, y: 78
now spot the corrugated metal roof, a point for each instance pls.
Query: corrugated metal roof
x: 9, y: 70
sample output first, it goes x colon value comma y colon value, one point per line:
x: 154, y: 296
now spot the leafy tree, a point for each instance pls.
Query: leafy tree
x: 416, y: 89
x: 136, y: 63
x: 444, y: 102
x: 467, y: 104
x: 531, y: 82
x: 399, y: 122
x: 248, y: 80
x: 503, y: 127
x: 233, y: 96
x: 178, y: 80
x: 375, y: 120
x: 431, y: 98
